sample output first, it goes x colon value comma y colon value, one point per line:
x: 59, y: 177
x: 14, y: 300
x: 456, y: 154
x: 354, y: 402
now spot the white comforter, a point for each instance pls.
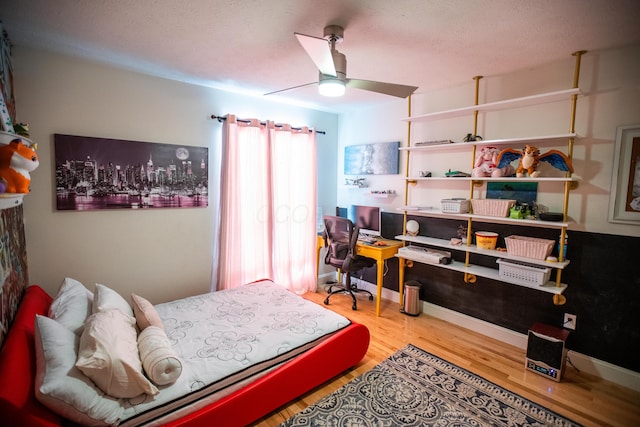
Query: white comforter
x: 240, y: 331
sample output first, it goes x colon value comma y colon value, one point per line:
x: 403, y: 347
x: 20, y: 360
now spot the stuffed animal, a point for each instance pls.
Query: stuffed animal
x: 16, y: 161
x: 486, y: 164
x: 530, y: 158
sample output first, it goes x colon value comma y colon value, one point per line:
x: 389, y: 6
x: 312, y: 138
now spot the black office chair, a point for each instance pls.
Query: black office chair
x: 341, y: 237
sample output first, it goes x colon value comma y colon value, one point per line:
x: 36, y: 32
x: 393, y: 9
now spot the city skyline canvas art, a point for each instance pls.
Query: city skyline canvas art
x: 100, y: 173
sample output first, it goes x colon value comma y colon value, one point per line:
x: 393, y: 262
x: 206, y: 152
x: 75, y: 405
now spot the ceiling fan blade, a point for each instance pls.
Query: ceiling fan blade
x: 319, y: 51
x: 401, y: 91
x: 290, y: 88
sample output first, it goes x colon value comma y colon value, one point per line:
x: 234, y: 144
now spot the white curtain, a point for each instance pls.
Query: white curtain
x: 268, y: 205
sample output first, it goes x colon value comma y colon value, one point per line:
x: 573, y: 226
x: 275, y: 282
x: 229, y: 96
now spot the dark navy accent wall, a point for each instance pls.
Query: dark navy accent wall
x: 603, y: 279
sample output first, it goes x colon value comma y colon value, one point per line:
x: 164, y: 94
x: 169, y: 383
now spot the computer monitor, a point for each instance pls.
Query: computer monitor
x: 367, y: 218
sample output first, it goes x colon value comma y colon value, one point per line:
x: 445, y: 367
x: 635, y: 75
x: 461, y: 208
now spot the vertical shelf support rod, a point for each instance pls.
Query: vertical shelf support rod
x: 560, y: 299
x: 406, y: 169
x: 572, y: 128
x: 401, y: 261
x: 470, y: 278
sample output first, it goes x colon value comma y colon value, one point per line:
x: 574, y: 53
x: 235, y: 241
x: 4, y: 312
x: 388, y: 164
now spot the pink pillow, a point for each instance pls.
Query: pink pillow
x: 145, y: 313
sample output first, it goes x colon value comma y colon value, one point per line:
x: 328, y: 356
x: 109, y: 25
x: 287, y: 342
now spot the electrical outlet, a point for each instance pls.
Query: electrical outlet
x: 570, y: 321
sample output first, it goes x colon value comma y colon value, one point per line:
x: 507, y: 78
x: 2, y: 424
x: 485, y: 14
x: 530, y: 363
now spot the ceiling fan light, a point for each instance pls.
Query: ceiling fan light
x: 331, y: 87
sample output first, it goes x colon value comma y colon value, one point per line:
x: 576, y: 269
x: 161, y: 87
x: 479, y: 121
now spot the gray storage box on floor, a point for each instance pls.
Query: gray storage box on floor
x: 412, y: 305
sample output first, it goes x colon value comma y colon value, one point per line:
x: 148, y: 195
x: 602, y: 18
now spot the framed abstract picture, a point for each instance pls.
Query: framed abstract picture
x: 100, y: 173
x: 624, y: 200
x: 372, y: 159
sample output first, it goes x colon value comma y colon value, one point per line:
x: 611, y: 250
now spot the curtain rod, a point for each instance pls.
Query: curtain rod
x: 222, y: 118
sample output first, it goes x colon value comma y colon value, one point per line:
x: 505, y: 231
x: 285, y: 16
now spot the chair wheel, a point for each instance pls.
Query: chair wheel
x: 370, y: 297
x: 354, y: 307
x: 326, y: 301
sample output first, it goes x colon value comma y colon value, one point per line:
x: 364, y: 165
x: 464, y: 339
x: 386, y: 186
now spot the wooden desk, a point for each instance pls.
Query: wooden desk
x: 379, y: 253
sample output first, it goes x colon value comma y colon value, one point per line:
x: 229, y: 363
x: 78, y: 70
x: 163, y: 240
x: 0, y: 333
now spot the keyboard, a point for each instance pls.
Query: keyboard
x: 364, y: 238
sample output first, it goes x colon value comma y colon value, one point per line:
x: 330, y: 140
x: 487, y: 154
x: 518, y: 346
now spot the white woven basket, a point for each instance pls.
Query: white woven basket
x: 529, y: 247
x: 511, y: 271
x: 492, y: 207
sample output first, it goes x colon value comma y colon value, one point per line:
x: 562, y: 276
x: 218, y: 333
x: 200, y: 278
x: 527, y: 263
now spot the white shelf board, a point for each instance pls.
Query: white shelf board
x: 438, y: 178
x: 498, y: 105
x: 382, y: 195
x: 560, y: 138
x: 491, y: 273
x: 437, y: 213
x: 525, y: 222
x: 446, y: 244
x: 489, y: 178
x: 10, y: 200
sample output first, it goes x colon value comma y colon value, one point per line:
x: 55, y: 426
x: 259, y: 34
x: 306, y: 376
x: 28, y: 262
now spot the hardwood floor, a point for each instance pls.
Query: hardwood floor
x: 581, y: 397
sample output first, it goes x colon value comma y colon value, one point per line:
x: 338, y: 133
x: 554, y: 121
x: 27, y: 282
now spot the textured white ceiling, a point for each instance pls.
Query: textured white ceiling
x: 249, y: 45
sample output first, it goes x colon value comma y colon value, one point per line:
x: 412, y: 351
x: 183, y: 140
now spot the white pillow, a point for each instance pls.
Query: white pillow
x: 60, y: 386
x: 160, y: 361
x: 108, y: 354
x: 72, y: 305
x: 106, y: 299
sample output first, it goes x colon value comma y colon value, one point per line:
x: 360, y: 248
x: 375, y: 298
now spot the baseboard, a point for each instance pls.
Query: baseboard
x: 600, y: 368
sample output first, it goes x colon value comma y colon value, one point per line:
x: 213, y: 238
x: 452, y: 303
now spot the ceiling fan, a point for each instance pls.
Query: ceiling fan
x: 332, y: 66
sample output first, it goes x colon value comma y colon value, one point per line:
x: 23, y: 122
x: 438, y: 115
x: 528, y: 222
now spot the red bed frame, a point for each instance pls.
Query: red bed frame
x: 19, y: 407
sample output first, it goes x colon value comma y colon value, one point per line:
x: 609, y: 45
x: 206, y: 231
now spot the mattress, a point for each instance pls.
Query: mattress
x: 226, y: 339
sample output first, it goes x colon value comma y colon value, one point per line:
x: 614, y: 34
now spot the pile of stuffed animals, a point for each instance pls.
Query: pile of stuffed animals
x: 492, y: 162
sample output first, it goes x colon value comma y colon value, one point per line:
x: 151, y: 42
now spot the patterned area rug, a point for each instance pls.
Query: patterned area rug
x: 415, y: 388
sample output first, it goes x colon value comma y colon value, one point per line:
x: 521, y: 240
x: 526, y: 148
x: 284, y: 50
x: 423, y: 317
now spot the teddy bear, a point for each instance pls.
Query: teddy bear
x: 486, y: 164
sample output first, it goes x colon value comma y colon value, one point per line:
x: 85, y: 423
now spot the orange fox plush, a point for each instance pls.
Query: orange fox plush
x: 16, y: 161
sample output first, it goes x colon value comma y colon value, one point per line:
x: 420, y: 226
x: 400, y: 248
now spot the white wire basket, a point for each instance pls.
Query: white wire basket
x: 515, y: 272
x: 455, y: 205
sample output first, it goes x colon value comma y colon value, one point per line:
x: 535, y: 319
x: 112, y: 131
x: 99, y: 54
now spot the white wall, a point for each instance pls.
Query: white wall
x: 611, y: 86
x: 159, y: 253
x: 167, y: 253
